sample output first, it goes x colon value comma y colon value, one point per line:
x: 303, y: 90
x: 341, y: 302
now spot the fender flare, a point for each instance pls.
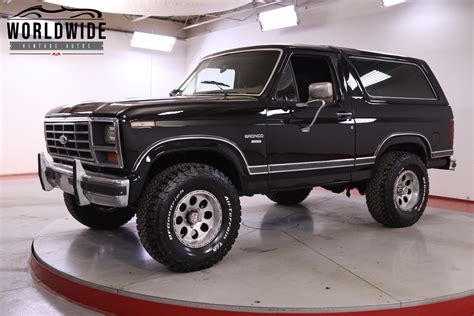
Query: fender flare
x: 186, y: 143
x: 405, y: 138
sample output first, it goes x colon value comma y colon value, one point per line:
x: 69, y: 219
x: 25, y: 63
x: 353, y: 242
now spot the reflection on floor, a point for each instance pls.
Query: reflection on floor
x: 24, y: 211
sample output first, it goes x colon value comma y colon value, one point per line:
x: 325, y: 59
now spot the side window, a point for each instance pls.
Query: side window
x: 393, y: 79
x: 286, y: 90
x: 309, y: 69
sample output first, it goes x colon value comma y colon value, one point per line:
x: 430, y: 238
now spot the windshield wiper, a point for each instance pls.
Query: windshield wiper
x: 218, y: 84
x: 175, y: 92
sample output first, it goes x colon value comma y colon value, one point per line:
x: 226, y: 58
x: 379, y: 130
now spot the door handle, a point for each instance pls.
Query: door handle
x: 344, y: 116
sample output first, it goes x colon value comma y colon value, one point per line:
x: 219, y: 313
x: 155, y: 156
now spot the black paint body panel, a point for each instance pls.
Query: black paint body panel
x: 329, y: 152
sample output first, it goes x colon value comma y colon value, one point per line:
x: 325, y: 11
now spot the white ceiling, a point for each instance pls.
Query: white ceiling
x: 155, y: 8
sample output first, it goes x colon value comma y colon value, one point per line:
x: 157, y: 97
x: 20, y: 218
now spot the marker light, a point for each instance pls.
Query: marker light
x: 112, y: 157
x: 278, y: 18
x: 153, y: 41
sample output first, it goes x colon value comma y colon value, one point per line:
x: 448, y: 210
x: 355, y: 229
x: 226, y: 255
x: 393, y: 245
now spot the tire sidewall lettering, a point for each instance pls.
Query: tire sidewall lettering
x: 229, y: 210
x: 169, y: 217
x: 423, y: 195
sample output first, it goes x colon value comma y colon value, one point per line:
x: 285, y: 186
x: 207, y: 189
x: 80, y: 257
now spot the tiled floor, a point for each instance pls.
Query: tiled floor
x: 328, y: 250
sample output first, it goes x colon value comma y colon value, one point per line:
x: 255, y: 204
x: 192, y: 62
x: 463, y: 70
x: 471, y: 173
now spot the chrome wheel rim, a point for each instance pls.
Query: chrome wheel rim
x: 197, y: 219
x: 406, y: 191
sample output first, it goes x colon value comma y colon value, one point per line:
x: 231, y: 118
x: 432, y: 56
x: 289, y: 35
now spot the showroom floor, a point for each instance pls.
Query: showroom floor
x: 25, y: 210
x: 352, y: 260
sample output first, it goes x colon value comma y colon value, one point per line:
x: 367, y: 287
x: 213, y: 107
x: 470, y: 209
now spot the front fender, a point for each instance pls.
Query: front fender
x: 186, y: 144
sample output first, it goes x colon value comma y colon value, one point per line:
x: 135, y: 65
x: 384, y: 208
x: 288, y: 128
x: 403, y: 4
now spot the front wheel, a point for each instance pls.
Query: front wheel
x: 398, y: 192
x: 188, y: 217
x: 98, y: 217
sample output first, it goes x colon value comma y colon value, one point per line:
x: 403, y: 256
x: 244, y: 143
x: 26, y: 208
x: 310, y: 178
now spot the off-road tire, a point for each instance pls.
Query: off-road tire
x: 159, y: 201
x: 289, y: 197
x: 98, y: 217
x: 380, y: 189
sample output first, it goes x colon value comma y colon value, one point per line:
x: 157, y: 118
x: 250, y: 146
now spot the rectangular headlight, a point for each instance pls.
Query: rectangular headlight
x: 110, y: 134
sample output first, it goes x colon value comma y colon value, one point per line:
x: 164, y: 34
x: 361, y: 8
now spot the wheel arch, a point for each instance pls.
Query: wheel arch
x: 215, y: 158
x: 414, y: 143
x: 220, y: 154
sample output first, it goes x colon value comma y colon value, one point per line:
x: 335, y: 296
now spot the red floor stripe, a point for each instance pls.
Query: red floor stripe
x: 433, y: 201
x: 18, y: 176
x: 124, y: 305
x: 451, y: 204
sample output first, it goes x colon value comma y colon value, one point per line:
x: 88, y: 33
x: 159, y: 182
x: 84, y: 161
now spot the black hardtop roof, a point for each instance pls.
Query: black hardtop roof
x: 348, y: 52
x: 334, y: 49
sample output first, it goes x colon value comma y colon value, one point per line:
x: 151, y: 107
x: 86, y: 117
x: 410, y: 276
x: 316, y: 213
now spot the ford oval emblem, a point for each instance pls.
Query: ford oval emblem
x: 63, y: 139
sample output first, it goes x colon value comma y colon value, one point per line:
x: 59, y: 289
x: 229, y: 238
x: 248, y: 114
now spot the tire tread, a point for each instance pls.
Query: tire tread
x: 90, y: 216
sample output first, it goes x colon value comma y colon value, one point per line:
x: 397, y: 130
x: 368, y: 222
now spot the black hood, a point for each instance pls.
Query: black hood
x: 138, y: 107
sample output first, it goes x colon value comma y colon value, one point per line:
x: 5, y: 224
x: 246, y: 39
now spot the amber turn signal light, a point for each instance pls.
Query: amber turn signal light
x: 112, y: 157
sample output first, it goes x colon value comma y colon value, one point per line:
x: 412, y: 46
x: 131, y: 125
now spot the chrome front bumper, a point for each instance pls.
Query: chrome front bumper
x: 87, y: 186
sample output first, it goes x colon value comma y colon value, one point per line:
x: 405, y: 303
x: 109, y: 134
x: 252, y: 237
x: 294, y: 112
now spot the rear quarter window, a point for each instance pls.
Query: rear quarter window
x: 391, y: 79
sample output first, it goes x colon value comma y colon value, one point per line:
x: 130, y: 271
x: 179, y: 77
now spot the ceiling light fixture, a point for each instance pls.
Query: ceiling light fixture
x: 153, y: 41
x: 388, y: 3
x: 278, y: 18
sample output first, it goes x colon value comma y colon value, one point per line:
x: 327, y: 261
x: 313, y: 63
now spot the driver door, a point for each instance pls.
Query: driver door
x: 323, y: 155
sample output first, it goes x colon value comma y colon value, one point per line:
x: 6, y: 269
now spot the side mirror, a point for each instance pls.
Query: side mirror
x: 319, y: 91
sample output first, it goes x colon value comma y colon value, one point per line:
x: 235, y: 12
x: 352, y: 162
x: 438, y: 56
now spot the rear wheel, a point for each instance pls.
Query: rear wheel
x: 398, y: 192
x: 289, y: 197
x: 188, y: 217
x: 98, y: 217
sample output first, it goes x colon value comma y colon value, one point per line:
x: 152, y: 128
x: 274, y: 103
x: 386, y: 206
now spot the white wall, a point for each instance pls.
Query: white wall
x: 441, y: 32
x: 32, y: 85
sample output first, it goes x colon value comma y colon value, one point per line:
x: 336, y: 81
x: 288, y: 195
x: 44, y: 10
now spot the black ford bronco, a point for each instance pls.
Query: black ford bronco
x: 275, y: 120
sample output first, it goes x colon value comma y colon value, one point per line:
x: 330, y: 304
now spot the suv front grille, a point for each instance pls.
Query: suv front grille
x: 70, y: 140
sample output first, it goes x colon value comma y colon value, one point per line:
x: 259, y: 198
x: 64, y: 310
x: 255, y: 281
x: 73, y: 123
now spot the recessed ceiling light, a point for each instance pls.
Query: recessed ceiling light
x: 278, y: 18
x: 153, y: 41
x: 388, y: 3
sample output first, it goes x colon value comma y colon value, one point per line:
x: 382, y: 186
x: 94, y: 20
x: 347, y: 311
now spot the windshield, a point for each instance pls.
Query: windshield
x: 234, y: 73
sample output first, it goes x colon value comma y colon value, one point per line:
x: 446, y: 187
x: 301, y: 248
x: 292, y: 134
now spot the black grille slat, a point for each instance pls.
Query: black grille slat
x: 70, y: 148
x: 69, y: 132
x: 78, y: 145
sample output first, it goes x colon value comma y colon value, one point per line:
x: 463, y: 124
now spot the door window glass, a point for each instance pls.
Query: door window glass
x: 286, y: 90
x: 310, y: 69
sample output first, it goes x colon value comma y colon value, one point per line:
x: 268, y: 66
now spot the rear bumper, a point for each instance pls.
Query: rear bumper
x: 87, y: 186
x: 452, y: 163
